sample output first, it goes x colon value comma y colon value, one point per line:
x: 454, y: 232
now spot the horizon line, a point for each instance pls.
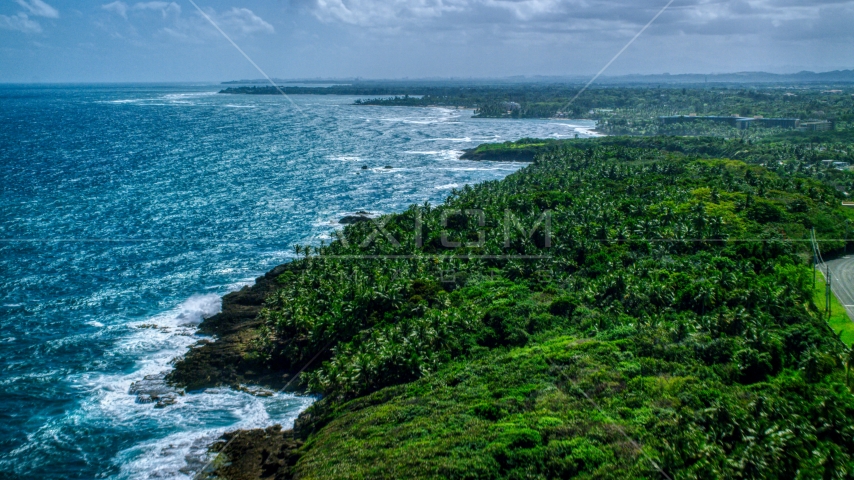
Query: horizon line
x: 580, y: 77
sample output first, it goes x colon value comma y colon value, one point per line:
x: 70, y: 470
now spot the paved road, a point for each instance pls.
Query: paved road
x: 842, y: 270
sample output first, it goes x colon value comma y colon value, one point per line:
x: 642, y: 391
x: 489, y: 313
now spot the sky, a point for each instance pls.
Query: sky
x: 166, y: 41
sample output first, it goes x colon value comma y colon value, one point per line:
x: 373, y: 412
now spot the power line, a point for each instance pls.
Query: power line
x: 209, y: 19
x: 618, y: 54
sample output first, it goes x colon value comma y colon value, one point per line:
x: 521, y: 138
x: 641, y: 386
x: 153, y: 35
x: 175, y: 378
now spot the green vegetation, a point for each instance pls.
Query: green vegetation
x: 794, y: 154
x: 525, y: 143
x: 524, y: 150
x: 636, y: 110
x: 664, y: 323
x: 620, y: 110
x: 629, y: 110
x: 838, y: 319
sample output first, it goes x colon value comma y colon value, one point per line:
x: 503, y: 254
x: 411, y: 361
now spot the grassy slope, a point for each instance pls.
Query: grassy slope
x: 838, y: 319
x: 516, y: 415
x: 618, y: 354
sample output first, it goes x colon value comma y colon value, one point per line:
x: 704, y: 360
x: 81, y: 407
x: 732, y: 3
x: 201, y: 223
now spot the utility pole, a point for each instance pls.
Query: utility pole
x: 814, y: 256
x: 828, y: 293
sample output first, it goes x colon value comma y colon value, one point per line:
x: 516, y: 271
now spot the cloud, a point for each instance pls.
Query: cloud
x: 39, y: 8
x: 387, y: 12
x: 119, y: 8
x: 244, y: 21
x: 526, y: 9
x: 193, y: 28
x: 166, y: 9
x: 20, y: 22
x: 379, y: 12
x: 611, y: 18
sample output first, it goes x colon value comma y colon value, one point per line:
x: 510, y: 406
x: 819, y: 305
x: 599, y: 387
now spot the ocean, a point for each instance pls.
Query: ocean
x: 127, y: 211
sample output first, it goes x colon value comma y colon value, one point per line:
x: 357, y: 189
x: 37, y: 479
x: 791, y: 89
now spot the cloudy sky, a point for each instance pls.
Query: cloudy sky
x: 91, y: 41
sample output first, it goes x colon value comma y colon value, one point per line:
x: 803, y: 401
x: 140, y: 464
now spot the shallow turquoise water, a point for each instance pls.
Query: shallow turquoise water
x: 131, y: 205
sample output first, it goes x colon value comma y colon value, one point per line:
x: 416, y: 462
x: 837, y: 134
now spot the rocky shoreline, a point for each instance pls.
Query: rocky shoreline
x: 267, y: 453
x: 515, y: 155
x: 223, y: 361
x: 264, y: 453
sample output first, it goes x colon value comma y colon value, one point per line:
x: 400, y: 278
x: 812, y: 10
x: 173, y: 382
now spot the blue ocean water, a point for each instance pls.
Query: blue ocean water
x: 128, y: 206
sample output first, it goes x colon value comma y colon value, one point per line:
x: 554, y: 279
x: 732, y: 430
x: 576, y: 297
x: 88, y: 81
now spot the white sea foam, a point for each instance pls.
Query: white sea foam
x: 196, y: 308
x: 460, y: 140
x: 499, y: 166
x: 444, y: 154
x: 423, y: 122
x: 586, y: 130
x: 180, y: 96
x: 447, y: 187
x: 196, y: 420
x: 184, y: 453
x: 412, y: 121
x: 589, y: 132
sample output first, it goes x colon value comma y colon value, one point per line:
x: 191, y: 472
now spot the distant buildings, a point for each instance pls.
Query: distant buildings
x: 511, y: 107
x: 741, y: 123
x: 693, y: 118
x: 820, y: 126
x: 835, y: 164
x: 780, y: 122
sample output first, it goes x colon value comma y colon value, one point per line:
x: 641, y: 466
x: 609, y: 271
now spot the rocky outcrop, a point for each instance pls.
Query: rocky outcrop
x: 222, y: 360
x: 351, y: 219
x: 502, y: 155
x: 269, y: 453
x: 154, y: 389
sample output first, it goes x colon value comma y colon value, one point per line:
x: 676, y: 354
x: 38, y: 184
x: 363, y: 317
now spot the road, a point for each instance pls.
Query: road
x: 842, y: 270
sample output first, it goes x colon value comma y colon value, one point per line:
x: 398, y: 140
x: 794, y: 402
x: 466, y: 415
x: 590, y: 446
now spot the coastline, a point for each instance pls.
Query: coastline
x: 271, y: 452
x: 456, y: 404
x: 241, y: 454
x: 220, y: 361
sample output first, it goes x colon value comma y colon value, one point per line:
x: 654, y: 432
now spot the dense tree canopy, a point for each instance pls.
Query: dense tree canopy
x: 614, y: 310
